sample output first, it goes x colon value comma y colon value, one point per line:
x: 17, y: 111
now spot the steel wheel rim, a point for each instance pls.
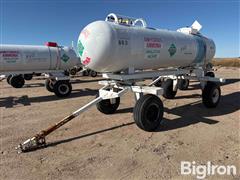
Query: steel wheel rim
x: 63, y: 89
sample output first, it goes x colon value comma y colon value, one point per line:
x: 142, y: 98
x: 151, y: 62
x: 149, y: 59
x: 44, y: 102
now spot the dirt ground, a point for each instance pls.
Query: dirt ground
x: 98, y: 146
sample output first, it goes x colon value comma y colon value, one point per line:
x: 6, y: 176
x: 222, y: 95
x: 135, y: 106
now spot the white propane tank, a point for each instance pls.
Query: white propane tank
x: 37, y: 58
x: 121, y: 42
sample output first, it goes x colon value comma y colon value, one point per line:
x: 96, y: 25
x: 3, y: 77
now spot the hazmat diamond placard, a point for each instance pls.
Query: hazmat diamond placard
x: 80, y: 48
x: 65, y: 58
x: 172, y: 50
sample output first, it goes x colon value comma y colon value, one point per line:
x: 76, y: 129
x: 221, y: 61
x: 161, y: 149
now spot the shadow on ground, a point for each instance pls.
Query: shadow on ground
x: 196, y: 112
x: 11, y: 101
x: 189, y: 114
x: 89, y: 134
x: 73, y: 81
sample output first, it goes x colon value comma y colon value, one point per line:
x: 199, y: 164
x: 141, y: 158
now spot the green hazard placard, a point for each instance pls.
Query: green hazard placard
x: 80, y: 48
x: 65, y: 58
x: 172, y: 50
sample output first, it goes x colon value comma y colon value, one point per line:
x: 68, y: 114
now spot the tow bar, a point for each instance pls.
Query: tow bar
x: 39, y: 140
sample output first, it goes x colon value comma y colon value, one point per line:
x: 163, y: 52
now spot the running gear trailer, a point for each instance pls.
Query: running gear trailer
x: 148, y: 110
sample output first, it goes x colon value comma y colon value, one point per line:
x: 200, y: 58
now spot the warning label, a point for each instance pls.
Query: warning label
x: 152, y: 47
x: 10, y: 56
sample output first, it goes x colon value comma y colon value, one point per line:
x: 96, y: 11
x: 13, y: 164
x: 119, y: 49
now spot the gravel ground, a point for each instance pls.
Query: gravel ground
x: 98, y: 146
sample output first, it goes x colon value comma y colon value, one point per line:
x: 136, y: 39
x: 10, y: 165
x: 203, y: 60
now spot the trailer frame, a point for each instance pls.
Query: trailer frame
x: 116, y: 86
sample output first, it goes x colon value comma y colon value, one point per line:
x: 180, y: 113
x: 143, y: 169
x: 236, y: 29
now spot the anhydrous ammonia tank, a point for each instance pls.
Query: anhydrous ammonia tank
x: 37, y: 58
x: 120, y: 42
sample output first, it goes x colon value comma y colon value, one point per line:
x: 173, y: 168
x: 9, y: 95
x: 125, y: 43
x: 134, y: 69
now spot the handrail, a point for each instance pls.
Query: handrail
x: 144, y: 24
x: 124, y: 20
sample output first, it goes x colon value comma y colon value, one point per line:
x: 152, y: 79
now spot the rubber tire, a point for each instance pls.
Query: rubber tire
x: 17, y: 81
x: 8, y: 78
x: 207, y: 94
x: 73, y: 71
x: 28, y: 77
x: 210, y: 74
x: 66, y: 73
x: 58, y: 85
x: 168, y: 92
x: 93, y: 73
x: 106, y: 107
x: 158, y: 83
x: 183, y: 84
x: 85, y: 73
x: 37, y: 74
x: 141, y: 112
x: 79, y: 69
x: 49, y: 85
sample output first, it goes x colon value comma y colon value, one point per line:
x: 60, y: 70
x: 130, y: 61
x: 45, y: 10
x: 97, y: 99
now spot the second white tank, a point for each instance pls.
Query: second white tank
x: 36, y: 58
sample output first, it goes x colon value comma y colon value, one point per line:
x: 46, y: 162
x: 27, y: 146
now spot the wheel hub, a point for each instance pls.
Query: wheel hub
x: 152, y: 113
x: 63, y: 89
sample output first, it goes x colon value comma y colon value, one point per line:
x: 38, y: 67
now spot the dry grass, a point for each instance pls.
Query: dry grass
x: 226, y: 62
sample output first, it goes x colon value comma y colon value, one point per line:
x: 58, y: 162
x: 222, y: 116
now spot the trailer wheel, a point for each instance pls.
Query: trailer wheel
x: 8, y: 78
x: 66, y: 73
x: 108, y: 106
x: 168, y: 92
x: 37, y: 74
x: 27, y: 76
x: 183, y: 84
x: 79, y: 69
x: 62, y: 88
x: 73, y: 71
x: 158, y: 83
x: 49, y: 85
x: 211, y: 94
x: 148, y: 112
x: 93, y: 73
x: 210, y: 74
x: 17, y: 81
x: 85, y: 73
